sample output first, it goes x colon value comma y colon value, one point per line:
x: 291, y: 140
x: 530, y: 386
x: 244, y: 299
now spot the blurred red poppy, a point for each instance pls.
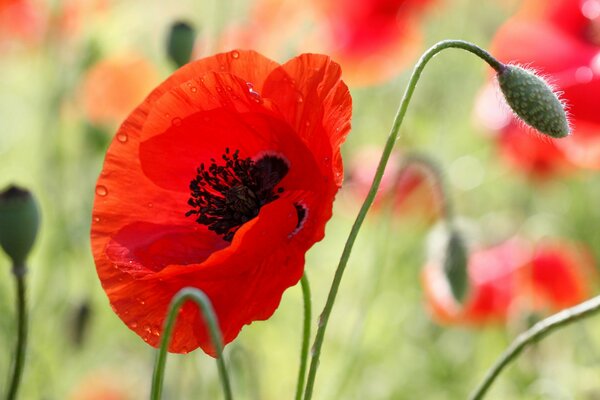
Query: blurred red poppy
x: 492, y: 287
x: 406, y: 186
x: 509, y: 279
x: 371, y: 39
x: 114, y: 86
x: 560, y: 39
x: 557, y: 276
x: 22, y: 19
x: 221, y: 180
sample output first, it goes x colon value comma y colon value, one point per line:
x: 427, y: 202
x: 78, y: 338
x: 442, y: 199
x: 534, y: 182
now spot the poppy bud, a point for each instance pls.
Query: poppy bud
x: 19, y: 221
x: 181, y: 43
x: 533, y: 100
x: 448, y: 251
x: 455, y: 265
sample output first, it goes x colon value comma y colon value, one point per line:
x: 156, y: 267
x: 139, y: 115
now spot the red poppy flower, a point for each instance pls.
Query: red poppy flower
x: 407, y: 187
x: 509, y: 279
x: 221, y: 180
x: 21, y: 19
x: 561, y: 39
x: 558, y: 275
x: 371, y: 39
x: 115, y: 85
x: 492, y: 286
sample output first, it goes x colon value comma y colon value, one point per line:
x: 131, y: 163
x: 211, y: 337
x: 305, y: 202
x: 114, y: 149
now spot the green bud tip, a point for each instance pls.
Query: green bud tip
x: 19, y: 222
x: 180, y: 43
x: 534, y: 101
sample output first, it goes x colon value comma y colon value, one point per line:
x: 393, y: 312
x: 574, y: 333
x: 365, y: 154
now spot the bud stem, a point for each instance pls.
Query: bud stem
x: 534, y: 334
x: 416, y: 74
x: 21, y: 344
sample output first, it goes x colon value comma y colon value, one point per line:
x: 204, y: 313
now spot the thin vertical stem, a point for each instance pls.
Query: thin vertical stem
x: 205, y: 305
x: 21, y: 344
x: 305, y: 336
x: 393, y: 135
x: 534, y: 334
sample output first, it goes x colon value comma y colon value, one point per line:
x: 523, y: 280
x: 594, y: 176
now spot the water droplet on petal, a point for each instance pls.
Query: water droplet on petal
x: 176, y: 121
x: 300, y: 99
x: 96, y: 219
x: 122, y: 137
x: 101, y: 190
x: 235, y: 54
x: 150, y: 205
x: 134, y: 325
x: 193, y: 89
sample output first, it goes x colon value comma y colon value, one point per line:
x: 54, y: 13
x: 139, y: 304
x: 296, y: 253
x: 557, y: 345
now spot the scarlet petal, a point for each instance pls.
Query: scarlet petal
x: 145, y: 247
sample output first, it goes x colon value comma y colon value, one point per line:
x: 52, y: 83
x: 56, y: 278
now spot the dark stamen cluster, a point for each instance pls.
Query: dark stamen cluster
x: 224, y: 197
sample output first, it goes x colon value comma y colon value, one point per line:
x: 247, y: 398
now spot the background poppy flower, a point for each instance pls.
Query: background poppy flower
x: 492, y: 287
x: 221, y: 179
x: 558, y: 275
x: 410, y: 188
x: 509, y: 279
x: 371, y: 39
x: 114, y: 86
x: 22, y: 19
x: 559, y: 39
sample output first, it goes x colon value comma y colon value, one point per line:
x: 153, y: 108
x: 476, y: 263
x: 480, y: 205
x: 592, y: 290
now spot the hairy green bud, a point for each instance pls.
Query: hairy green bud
x: 534, y: 101
x: 19, y: 222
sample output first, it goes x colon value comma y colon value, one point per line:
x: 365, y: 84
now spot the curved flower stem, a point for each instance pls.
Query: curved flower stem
x: 305, y: 336
x: 437, y: 178
x: 416, y: 74
x: 19, y: 273
x: 205, y: 305
x: 534, y: 334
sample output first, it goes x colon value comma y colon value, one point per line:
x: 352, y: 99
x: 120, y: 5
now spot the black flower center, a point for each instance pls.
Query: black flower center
x: 224, y: 197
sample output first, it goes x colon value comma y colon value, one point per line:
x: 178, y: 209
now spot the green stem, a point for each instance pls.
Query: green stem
x: 324, y: 318
x: 21, y: 345
x: 205, y: 305
x: 534, y: 334
x: 305, y: 336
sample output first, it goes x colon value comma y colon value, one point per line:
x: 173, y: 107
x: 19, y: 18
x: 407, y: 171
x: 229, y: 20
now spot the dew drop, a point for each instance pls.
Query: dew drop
x: 300, y: 99
x: 134, y: 325
x: 229, y: 89
x: 235, y: 54
x: 193, y: 89
x: 122, y: 137
x: 96, y: 219
x: 147, y: 329
x: 307, y: 123
x: 150, y: 205
x: 222, y: 68
x: 101, y: 190
x: 176, y: 121
x: 155, y: 332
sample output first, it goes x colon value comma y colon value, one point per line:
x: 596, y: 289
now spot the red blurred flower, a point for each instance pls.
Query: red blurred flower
x: 557, y: 276
x: 221, y: 179
x: 372, y: 39
x: 561, y: 39
x: 510, y: 279
x: 114, y: 86
x: 491, y: 286
x: 21, y: 19
x: 406, y: 186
